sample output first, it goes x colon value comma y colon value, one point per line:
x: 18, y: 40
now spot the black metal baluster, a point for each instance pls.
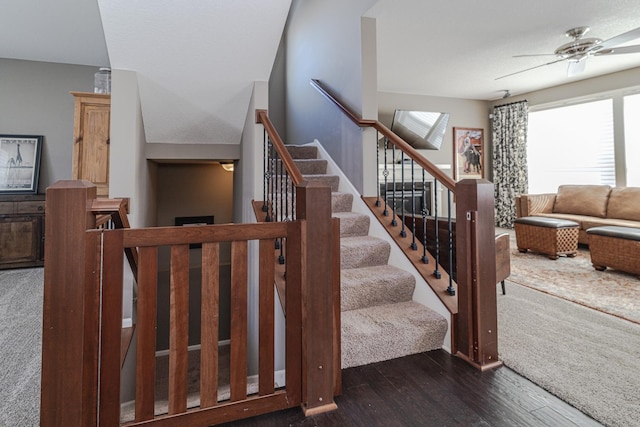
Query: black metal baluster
x: 414, y: 246
x: 284, y: 198
x: 378, y: 169
x: 265, y: 186
x: 269, y: 180
x: 385, y: 172
x: 393, y: 191
x: 403, y: 232
x: 293, y: 202
x: 436, y: 272
x: 425, y: 213
x: 450, y: 290
x: 277, y: 197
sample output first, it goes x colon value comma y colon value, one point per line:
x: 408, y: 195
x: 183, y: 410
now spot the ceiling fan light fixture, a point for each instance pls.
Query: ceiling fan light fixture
x: 577, y: 51
x: 578, y: 46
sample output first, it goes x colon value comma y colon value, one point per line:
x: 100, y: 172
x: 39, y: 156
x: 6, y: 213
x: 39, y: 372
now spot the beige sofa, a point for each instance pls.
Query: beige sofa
x: 588, y: 205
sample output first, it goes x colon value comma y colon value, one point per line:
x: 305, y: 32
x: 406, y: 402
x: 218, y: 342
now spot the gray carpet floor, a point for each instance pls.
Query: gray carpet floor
x: 20, y: 346
x: 585, y: 357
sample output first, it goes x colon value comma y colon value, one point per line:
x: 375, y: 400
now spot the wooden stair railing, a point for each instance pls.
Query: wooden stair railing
x: 474, y: 307
x: 115, y: 211
x: 82, y: 317
x: 310, y: 201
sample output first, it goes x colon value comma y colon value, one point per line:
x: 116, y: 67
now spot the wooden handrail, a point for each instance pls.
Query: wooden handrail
x: 395, y: 139
x: 474, y: 327
x: 115, y: 210
x: 354, y: 118
x: 263, y: 118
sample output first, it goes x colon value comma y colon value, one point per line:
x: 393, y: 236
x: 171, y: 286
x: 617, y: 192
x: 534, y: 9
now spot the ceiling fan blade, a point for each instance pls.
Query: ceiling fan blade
x: 618, y: 50
x: 576, y: 68
x: 534, y: 54
x: 529, y: 69
x: 620, y: 39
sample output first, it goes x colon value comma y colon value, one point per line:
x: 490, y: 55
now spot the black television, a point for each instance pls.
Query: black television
x: 420, y: 129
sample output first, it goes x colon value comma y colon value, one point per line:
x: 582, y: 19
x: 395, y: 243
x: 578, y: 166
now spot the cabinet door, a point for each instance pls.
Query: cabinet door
x: 93, y: 147
x: 20, y: 241
x: 91, y: 139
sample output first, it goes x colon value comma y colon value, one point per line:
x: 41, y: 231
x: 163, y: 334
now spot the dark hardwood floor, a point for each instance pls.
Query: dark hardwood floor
x: 434, y: 389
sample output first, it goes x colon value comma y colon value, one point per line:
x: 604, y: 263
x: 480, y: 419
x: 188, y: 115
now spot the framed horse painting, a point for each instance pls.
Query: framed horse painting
x: 468, y: 150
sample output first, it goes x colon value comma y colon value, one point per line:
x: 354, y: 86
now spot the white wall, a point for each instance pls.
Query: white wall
x: 130, y: 174
x: 324, y: 42
x: 248, y: 187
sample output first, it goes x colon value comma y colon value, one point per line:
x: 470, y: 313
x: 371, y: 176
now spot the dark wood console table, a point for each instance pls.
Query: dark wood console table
x: 22, y: 231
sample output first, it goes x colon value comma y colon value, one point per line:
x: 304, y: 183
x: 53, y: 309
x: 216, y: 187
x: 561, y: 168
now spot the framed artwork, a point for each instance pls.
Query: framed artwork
x: 189, y: 221
x: 468, y: 147
x: 20, y: 163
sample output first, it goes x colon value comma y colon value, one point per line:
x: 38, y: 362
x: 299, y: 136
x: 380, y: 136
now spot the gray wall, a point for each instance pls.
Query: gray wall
x: 324, y: 42
x: 35, y: 100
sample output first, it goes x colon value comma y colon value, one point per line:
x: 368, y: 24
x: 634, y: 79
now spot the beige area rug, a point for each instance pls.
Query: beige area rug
x: 575, y: 279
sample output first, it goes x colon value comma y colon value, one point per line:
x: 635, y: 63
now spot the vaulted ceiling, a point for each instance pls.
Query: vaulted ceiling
x: 196, y: 60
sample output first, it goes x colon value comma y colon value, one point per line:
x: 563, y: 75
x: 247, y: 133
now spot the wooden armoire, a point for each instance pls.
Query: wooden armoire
x: 91, y: 139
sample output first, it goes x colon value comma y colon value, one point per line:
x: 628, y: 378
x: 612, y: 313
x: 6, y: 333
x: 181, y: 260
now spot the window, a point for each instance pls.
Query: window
x: 632, y: 138
x: 571, y: 145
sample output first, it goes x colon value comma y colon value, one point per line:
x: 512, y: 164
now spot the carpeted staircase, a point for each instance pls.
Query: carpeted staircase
x: 380, y: 321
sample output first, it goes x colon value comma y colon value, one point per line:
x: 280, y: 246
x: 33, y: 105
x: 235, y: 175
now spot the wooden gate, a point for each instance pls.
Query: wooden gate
x: 209, y: 410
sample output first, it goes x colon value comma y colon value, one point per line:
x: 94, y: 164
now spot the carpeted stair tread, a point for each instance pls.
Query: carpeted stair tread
x: 371, y: 286
x: 332, y: 180
x: 363, y: 251
x: 341, y: 202
x: 352, y: 224
x: 374, y: 334
x: 302, y: 151
x: 311, y: 166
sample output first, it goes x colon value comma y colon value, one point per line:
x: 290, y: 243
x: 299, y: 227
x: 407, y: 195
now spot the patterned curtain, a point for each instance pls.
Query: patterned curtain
x: 509, y: 138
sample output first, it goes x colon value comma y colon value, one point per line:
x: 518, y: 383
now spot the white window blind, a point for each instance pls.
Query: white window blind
x: 571, y: 145
x: 632, y: 138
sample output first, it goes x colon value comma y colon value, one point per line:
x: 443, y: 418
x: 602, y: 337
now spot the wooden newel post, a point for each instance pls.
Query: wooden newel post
x: 313, y: 203
x: 476, y: 336
x: 65, y: 377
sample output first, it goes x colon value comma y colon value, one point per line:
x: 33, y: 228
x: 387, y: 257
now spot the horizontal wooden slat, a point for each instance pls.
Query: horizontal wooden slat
x: 157, y: 236
x: 223, y: 413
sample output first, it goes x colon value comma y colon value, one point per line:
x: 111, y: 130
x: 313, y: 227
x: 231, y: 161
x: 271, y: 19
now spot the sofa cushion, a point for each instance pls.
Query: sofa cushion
x: 588, y: 200
x: 624, y: 203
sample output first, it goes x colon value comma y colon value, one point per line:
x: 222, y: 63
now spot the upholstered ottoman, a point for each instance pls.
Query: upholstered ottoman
x: 615, y: 247
x: 550, y: 236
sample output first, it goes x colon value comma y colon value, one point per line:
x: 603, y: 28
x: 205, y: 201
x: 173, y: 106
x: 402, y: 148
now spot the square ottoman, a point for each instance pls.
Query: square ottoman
x: 550, y: 236
x: 615, y: 247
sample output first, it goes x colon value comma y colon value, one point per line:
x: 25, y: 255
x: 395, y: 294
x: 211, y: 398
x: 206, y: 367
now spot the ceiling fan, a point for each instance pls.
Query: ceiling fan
x: 577, y: 51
